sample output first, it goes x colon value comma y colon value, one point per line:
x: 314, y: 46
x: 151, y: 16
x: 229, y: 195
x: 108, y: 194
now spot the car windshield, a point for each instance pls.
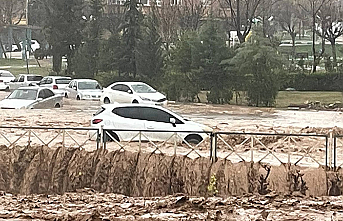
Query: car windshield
x: 63, y: 81
x: 23, y: 94
x: 5, y: 74
x: 34, y: 78
x: 143, y: 88
x: 88, y: 85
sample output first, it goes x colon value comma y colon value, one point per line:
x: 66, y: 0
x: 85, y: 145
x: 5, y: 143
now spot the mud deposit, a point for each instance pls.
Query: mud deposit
x: 87, y: 204
x: 42, y: 170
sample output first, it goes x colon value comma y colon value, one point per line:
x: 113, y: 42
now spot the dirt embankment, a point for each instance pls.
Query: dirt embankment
x: 41, y: 170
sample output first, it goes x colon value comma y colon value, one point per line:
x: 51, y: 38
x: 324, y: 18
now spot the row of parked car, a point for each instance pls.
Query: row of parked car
x: 81, y: 89
x: 126, y: 105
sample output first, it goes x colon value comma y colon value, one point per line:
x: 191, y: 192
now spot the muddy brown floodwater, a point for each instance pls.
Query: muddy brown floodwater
x: 40, y: 183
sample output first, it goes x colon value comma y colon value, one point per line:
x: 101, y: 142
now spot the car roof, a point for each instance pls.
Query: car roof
x: 30, y: 74
x: 84, y: 80
x: 129, y: 82
x: 30, y: 87
x: 114, y: 105
x: 54, y: 77
x: 5, y: 71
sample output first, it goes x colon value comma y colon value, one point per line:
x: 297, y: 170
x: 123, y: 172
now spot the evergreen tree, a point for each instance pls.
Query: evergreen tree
x: 85, y: 61
x: 131, y: 37
x: 150, y: 63
x: 259, y: 64
x: 63, y: 25
x: 213, y: 75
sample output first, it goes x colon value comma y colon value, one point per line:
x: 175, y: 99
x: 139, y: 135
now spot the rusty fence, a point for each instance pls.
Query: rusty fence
x: 314, y: 150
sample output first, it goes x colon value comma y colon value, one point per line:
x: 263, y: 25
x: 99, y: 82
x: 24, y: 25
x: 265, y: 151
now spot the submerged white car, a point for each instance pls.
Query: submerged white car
x: 132, y: 92
x: 31, y: 98
x: 119, y: 119
x: 84, y: 89
x: 5, y: 78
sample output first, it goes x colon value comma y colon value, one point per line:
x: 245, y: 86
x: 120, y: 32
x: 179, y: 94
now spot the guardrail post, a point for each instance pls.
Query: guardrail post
x: 334, y: 152
x: 252, y: 149
x: 175, y: 143
x: 102, y: 136
x: 29, y: 141
x: 63, y: 138
x: 213, y: 148
x: 326, y: 153
x: 140, y: 141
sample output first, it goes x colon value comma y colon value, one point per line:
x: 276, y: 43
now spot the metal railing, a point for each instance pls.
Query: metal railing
x: 274, y: 148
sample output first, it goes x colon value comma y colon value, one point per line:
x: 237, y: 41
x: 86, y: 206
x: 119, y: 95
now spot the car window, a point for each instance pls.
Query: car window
x: 143, y: 88
x: 62, y: 80
x: 125, y: 88
x: 48, y: 81
x: 117, y: 87
x: 6, y: 74
x: 48, y: 93
x: 87, y: 85
x: 24, y: 94
x: 145, y: 113
x: 41, y: 94
x: 43, y: 81
x: 21, y: 79
x: 34, y: 78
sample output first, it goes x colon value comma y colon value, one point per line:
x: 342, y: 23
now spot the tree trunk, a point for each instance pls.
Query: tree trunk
x: 334, y: 53
x: 293, y: 46
x: 56, y: 62
x: 314, y: 63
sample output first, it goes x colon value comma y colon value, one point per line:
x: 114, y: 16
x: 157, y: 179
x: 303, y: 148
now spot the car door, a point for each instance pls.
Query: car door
x: 118, y: 93
x: 45, y: 99
x: 126, y: 118
x: 71, y: 89
x: 157, y: 119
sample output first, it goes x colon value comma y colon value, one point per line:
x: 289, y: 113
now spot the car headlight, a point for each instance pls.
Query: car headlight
x: 145, y: 99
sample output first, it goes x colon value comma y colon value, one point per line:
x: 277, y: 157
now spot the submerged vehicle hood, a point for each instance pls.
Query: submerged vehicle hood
x: 152, y: 96
x: 15, y: 103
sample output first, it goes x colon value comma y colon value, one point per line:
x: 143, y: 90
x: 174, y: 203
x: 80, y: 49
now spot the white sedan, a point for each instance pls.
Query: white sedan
x: 5, y: 78
x: 132, y: 92
x: 31, y: 98
x: 84, y: 89
x: 158, y: 123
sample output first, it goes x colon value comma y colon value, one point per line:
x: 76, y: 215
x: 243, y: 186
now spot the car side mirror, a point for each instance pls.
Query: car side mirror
x: 172, y: 121
x: 39, y: 99
x: 75, y: 88
x: 129, y: 91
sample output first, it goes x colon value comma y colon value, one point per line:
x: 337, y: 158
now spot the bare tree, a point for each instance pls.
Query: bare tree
x: 313, y: 7
x: 330, y: 26
x: 287, y: 15
x: 240, y: 15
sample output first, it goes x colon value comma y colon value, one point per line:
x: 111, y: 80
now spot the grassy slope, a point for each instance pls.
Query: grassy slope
x: 17, y: 66
x: 286, y: 98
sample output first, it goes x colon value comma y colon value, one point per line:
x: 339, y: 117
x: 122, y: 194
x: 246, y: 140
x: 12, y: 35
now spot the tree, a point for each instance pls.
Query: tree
x: 286, y: 14
x: 63, y: 29
x: 85, y: 61
x: 131, y: 36
x: 330, y: 26
x: 212, y: 74
x: 313, y: 7
x: 241, y: 16
x: 150, y: 62
x: 259, y: 64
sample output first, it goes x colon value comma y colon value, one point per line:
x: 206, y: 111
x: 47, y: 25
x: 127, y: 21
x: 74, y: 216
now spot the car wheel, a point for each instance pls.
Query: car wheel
x: 66, y: 95
x: 107, y: 138
x: 78, y: 98
x: 57, y: 105
x: 193, y: 139
x: 7, y: 89
x: 106, y: 100
x: 135, y: 102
